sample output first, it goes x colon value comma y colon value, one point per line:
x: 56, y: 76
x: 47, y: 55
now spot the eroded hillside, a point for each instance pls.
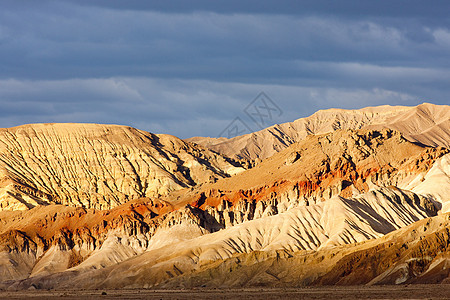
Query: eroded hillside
x: 426, y: 123
x: 98, y: 166
x: 343, y: 163
x: 314, y: 205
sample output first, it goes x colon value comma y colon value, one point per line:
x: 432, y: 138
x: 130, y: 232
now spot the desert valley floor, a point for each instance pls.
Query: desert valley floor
x: 428, y: 291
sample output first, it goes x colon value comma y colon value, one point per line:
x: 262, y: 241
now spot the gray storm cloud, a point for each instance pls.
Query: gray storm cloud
x: 189, y: 70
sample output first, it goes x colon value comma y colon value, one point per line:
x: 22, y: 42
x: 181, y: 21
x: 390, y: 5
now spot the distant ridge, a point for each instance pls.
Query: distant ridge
x: 426, y: 123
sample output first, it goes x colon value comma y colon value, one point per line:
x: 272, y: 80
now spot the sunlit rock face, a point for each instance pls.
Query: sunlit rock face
x: 103, y: 206
x: 426, y: 123
x: 98, y: 166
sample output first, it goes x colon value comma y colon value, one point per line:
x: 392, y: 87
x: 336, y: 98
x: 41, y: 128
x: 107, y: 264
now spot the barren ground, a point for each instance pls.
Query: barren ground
x: 430, y: 291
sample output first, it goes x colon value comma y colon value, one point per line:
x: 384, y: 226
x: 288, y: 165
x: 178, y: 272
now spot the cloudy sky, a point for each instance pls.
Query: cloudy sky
x: 189, y: 68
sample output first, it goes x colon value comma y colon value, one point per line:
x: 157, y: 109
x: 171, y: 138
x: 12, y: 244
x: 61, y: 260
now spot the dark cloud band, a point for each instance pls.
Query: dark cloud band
x: 171, y: 66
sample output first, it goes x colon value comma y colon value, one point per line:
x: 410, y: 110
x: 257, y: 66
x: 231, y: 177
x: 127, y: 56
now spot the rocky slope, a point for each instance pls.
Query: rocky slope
x: 425, y: 123
x: 344, y: 163
x: 296, y: 218
x: 418, y: 253
x: 132, y: 256
x: 105, y: 206
x: 98, y: 166
x: 53, y: 238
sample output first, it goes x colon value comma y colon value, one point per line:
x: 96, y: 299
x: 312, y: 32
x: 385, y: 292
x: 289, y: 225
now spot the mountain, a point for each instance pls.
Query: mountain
x: 129, y: 259
x: 426, y: 123
x: 418, y: 253
x: 98, y: 166
x: 340, y: 163
x: 88, y: 206
x: 317, y: 208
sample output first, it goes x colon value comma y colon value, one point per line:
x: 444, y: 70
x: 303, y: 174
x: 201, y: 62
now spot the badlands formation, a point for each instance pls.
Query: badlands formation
x: 425, y: 123
x: 98, y: 166
x: 338, y: 198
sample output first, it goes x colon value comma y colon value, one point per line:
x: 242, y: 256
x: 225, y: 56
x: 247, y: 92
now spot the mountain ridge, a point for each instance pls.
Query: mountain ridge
x: 268, y: 141
x: 316, y: 212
